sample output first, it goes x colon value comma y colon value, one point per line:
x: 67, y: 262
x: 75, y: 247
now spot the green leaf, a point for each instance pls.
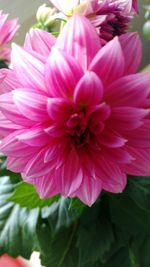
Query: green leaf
x: 120, y: 259
x: 144, y: 252
x: 139, y: 190
x: 3, y: 64
x: 26, y: 196
x: 62, y: 252
x: 94, y: 241
x: 17, y: 225
x: 77, y: 205
x: 128, y: 217
x: 59, y: 215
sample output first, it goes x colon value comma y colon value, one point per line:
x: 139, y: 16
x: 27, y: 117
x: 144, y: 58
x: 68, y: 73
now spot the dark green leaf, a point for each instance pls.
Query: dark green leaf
x: 120, y: 259
x: 77, y: 205
x: 26, y: 196
x: 59, y: 215
x: 139, y: 190
x: 17, y: 226
x: 144, y: 252
x: 3, y: 64
x: 62, y: 252
x: 94, y: 241
x: 129, y: 218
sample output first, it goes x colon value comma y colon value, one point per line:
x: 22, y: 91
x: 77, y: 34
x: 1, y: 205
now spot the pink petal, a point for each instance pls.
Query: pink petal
x: 139, y: 138
x: 5, y: 54
x: 127, y: 118
x: 39, y: 41
x: 140, y: 166
x: 29, y: 69
x: 117, y: 155
x: 10, y: 146
x: 11, y: 112
x: 8, y: 31
x: 6, y: 126
x: 37, y: 167
x: 17, y: 164
x: 109, y: 62
x: 31, y: 105
x: 89, y: 190
x: 79, y: 39
x: 34, y: 137
x: 99, y: 112
x: 89, y: 90
x: 59, y: 109
x: 2, y: 76
x: 46, y: 185
x: 132, y: 50
x: 62, y: 74
x: 110, y: 138
x: 110, y: 174
x: 130, y: 90
x: 10, y: 82
x: 56, y: 130
x: 110, y: 187
x: 69, y: 176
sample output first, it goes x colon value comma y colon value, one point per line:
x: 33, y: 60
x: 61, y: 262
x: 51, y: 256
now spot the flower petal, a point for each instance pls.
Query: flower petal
x: 140, y: 166
x: 34, y: 137
x: 89, y: 190
x: 29, y: 69
x: 10, y: 82
x: 132, y: 50
x: 131, y: 90
x: 46, y: 185
x: 139, y: 138
x: 62, y: 74
x: 39, y: 41
x: 109, y: 62
x: 110, y: 174
x: 6, y: 126
x: 10, y: 146
x: 59, y: 109
x: 17, y: 164
x: 110, y: 138
x: 69, y: 176
x: 79, y: 39
x: 11, y: 112
x: 35, y: 109
x: 37, y: 167
x: 127, y: 118
x: 89, y: 90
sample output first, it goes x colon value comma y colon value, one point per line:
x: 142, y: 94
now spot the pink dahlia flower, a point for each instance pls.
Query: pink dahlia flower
x: 110, y: 17
x: 75, y: 116
x: 7, y: 32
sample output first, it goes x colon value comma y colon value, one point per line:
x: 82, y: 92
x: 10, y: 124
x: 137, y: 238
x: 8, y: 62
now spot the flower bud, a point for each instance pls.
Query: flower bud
x: 43, y: 13
x: 146, y: 30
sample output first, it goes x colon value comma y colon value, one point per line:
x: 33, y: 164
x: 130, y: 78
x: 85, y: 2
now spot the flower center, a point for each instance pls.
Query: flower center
x: 78, y: 129
x: 82, y: 128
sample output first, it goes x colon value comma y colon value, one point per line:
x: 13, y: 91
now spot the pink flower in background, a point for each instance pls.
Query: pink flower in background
x: 110, y: 17
x: 7, y: 32
x: 75, y: 116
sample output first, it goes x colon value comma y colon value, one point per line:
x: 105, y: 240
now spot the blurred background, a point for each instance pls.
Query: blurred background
x: 25, y: 10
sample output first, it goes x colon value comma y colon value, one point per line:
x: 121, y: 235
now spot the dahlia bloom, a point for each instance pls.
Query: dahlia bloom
x: 7, y: 32
x: 74, y: 116
x: 110, y: 17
